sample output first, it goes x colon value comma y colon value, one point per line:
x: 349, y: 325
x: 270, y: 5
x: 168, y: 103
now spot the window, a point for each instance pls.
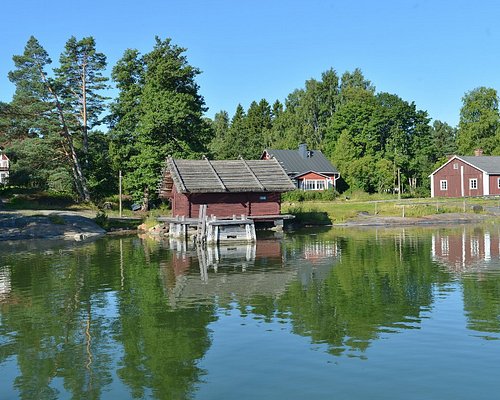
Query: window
x: 443, y: 184
x: 473, y: 183
x: 313, y: 184
x: 498, y: 183
x: 455, y: 165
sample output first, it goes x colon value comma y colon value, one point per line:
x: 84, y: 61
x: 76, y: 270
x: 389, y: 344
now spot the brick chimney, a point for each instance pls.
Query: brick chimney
x: 478, y: 152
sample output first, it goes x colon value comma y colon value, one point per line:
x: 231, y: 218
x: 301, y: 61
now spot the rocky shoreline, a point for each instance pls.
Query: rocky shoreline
x: 73, y: 226
x: 48, y: 225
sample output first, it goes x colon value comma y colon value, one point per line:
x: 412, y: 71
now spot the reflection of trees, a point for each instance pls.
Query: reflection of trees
x: 482, y: 302
x: 57, y: 332
x: 161, y: 346
x: 69, y: 317
x: 377, y: 284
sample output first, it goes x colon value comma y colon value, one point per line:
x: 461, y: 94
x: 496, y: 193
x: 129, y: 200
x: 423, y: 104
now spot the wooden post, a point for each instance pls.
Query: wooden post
x: 120, y: 191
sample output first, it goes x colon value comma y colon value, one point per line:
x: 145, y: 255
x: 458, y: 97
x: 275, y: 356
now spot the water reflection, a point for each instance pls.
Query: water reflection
x: 474, y: 254
x: 466, y: 249
x: 5, y: 284
x: 137, y: 318
x: 234, y: 272
x: 87, y: 318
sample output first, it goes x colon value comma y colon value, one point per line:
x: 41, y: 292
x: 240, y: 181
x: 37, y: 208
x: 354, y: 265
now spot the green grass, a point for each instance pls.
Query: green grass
x: 341, y: 210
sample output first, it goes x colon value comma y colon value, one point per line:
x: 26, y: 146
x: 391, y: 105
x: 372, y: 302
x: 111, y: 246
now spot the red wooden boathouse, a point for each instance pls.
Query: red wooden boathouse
x: 231, y: 187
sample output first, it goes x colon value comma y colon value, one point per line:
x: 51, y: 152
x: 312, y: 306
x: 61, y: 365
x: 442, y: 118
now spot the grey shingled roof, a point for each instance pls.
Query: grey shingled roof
x: 294, y: 164
x: 489, y: 164
x: 211, y: 176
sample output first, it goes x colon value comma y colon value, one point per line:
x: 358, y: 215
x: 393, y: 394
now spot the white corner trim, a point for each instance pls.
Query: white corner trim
x: 462, y: 189
x: 486, y: 184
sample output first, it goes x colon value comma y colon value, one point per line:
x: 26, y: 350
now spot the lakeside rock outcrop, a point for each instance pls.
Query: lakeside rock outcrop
x: 48, y: 225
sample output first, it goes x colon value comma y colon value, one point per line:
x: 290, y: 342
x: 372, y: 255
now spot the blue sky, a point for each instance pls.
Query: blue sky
x: 429, y: 52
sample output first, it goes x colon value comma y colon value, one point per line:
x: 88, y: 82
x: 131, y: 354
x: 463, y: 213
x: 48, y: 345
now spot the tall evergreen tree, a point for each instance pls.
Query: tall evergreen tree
x: 167, y: 118
x: 80, y: 79
x: 38, y: 95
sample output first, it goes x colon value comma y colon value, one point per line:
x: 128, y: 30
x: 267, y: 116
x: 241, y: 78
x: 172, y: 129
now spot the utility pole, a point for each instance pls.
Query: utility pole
x: 399, y: 184
x: 120, y: 191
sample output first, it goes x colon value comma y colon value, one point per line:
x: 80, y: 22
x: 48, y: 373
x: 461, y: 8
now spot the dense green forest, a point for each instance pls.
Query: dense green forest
x: 64, y: 135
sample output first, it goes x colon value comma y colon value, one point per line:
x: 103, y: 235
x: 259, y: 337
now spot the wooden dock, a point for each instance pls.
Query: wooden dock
x: 212, y: 230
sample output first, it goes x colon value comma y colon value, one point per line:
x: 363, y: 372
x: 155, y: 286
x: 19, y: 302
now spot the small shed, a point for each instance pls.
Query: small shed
x: 231, y: 187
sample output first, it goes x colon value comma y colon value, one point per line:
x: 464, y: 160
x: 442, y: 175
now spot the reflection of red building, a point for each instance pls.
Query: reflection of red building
x: 5, y: 284
x: 320, y: 250
x: 466, y: 250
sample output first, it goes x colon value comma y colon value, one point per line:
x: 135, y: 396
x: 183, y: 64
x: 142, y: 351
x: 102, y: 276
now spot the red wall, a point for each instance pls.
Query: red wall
x: 453, y: 177
x: 226, y: 204
x: 312, y: 175
x: 494, y: 184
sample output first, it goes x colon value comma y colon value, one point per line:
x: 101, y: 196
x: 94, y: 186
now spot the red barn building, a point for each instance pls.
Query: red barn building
x: 465, y: 176
x: 230, y: 187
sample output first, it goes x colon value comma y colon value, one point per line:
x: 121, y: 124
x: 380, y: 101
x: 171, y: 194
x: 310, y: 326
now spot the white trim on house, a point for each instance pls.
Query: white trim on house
x: 486, y: 184
x: 462, y: 188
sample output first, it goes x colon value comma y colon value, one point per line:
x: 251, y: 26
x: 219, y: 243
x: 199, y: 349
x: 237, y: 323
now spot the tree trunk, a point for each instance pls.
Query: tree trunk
x: 65, y: 133
x: 145, y: 200
x: 84, y: 115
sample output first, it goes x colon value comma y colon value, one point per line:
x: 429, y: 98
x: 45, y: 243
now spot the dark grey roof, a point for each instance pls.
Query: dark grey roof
x: 489, y: 164
x: 295, y: 164
x: 210, y: 176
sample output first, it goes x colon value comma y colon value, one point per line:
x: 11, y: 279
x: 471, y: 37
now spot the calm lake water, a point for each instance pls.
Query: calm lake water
x: 332, y: 314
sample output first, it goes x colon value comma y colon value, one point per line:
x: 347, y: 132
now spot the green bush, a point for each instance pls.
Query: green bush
x: 41, y: 200
x: 309, y: 195
x: 101, y: 219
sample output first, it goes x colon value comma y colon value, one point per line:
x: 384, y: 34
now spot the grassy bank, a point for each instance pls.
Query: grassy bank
x: 342, y: 210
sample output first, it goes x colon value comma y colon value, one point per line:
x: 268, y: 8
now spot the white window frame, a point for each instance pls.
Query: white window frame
x: 314, y: 184
x: 498, y: 183
x: 455, y: 165
x: 473, y: 183
x: 443, y: 184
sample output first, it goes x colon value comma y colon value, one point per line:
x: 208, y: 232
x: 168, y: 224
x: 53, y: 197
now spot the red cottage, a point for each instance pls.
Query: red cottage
x: 464, y: 176
x: 231, y: 187
x: 308, y: 169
